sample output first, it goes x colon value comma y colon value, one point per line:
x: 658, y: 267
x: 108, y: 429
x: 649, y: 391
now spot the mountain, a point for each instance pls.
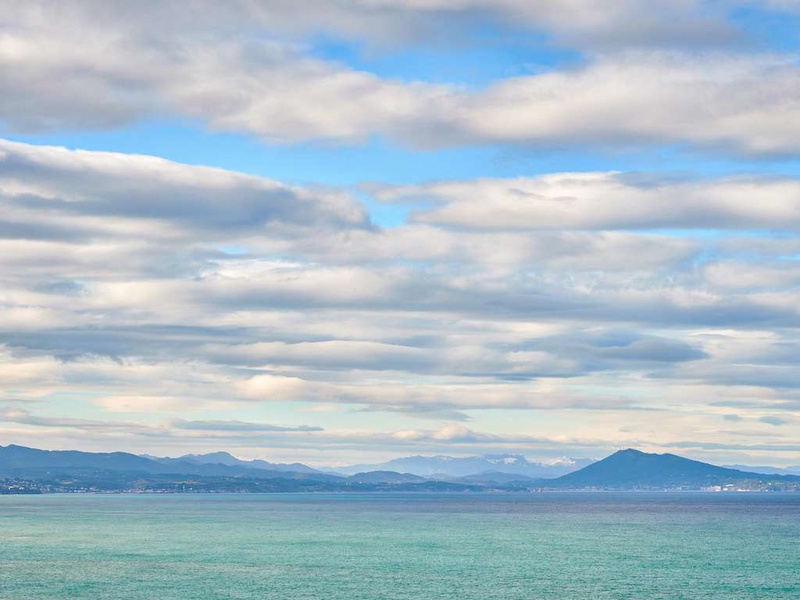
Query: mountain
x: 15, y: 459
x: 448, y: 466
x: 633, y: 469
x: 224, y: 458
x: 29, y: 470
x: 19, y: 461
x: 793, y: 470
x: 219, y: 458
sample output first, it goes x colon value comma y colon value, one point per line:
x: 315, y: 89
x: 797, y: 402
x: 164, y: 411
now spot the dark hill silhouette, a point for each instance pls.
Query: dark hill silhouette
x: 19, y: 458
x: 632, y: 469
x: 19, y: 461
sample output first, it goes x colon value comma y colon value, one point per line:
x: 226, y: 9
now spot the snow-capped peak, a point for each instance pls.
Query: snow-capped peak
x: 561, y: 461
x: 506, y: 459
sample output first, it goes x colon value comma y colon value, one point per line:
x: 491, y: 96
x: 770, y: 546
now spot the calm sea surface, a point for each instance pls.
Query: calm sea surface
x: 420, y: 547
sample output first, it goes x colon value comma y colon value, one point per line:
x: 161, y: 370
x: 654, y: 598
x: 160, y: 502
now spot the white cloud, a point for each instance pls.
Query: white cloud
x: 130, y: 195
x: 753, y: 275
x: 143, y: 404
x: 605, y: 201
x: 94, y: 65
x: 498, y: 305
x: 70, y: 67
x: 739, y: 103
x: 528, y: 306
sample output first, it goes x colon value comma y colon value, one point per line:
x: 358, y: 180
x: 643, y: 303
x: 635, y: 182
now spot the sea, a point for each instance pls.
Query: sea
x: 479, y: 546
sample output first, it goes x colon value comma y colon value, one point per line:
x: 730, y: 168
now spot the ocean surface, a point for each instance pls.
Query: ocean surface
x: 394, y: 546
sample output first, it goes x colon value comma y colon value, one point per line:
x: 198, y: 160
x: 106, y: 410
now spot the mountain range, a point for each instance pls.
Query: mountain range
x: 449, y: 466
x: 792, y: 470
x: 224, y: 458
x: 29, y: 470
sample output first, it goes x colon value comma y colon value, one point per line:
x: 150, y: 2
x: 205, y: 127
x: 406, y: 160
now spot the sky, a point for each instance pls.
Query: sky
x: 353, y: 230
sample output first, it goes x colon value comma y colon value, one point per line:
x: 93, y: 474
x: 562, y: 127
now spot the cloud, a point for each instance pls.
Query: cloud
x: 745, y: 447
x: 604, y: 201
x: 249, y: 69
x: 453, y: 433
x: 738, y: 275
x: 109, y: 194
x: 495, y: 247
x: 24, y: 417
x: 203, y: 301
x: 775, y: 421
x: 548, y: 321
x: 125, y: 64
x: 146, y: 251
x: 278, y: 388
x: 597, y: 25
x: 242, y: 426
x: 141, y: 404
x: 613, y: 350
x: 426, y: 395
x: 428, y: 412
x: 287, y: 442
x: 737, y: 103
x: 332, y: 354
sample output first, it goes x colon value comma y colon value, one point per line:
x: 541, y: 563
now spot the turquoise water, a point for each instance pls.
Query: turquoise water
x: 370, y: 547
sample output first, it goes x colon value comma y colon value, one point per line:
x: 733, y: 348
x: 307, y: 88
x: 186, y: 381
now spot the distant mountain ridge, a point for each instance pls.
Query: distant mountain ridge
x: 227, y: 459
x: 17, y: 461
x: 791, y: 470
x: 449, y: 466
x: 29, y: 470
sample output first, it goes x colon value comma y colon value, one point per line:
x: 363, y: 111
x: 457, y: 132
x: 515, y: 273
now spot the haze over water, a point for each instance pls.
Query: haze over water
x: 393, y: 546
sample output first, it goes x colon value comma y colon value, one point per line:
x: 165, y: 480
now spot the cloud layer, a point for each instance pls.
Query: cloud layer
x: 658, y: 73
x: 169, y: 297
x: 151, y: 305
